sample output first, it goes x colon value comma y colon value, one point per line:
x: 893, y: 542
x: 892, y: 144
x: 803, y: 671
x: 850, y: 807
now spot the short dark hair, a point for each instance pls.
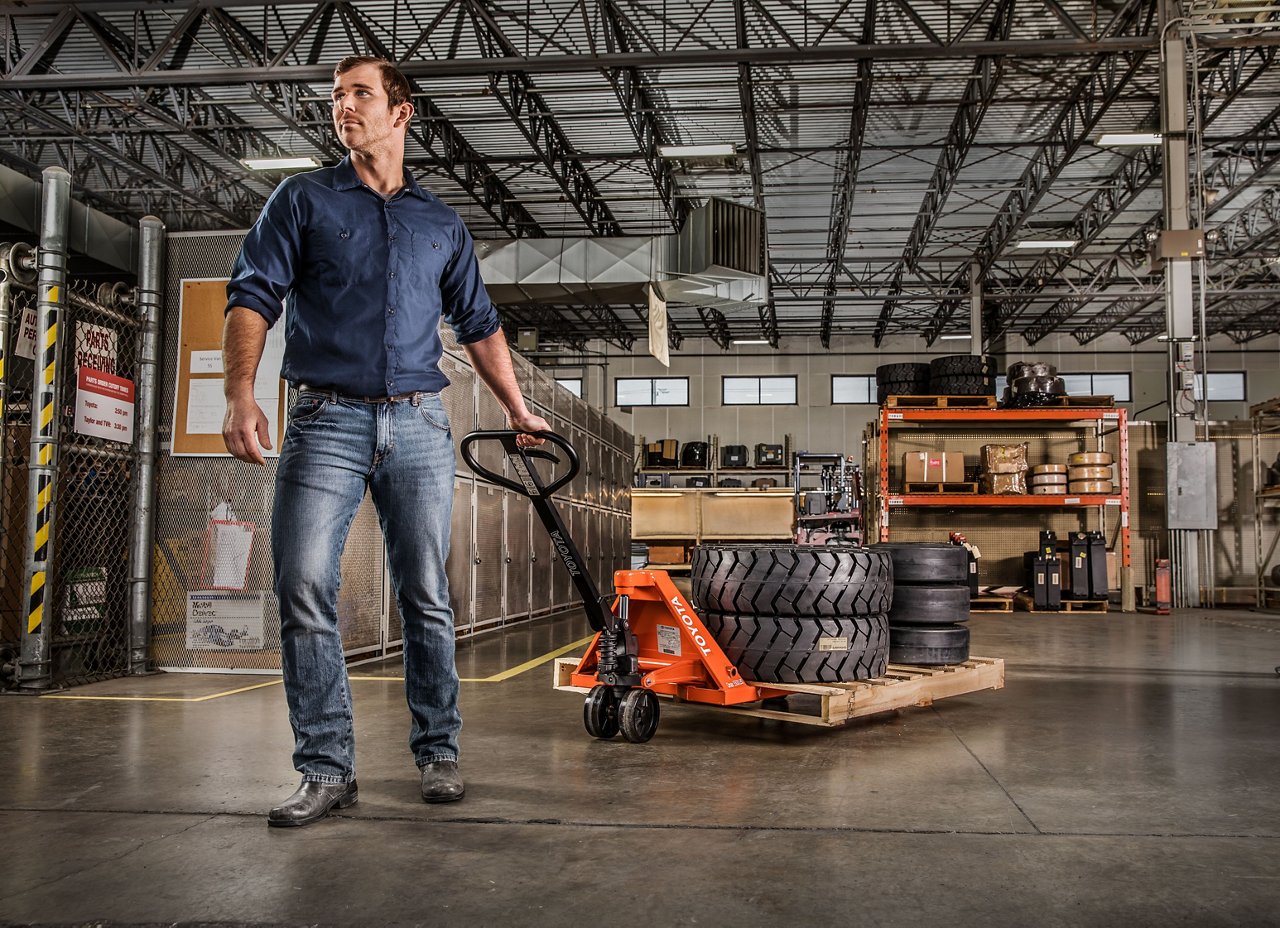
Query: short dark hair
x: 393, y: 82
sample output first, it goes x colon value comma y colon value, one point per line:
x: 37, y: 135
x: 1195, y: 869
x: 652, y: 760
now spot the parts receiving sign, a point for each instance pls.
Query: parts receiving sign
x: 104, y: 405
x: 96, y: 347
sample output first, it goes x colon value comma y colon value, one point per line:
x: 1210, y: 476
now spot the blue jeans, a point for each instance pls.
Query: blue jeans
x: 333, y: 450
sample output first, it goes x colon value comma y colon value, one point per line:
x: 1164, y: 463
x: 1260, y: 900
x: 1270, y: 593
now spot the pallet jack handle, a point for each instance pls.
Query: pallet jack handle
x: 530, y: 484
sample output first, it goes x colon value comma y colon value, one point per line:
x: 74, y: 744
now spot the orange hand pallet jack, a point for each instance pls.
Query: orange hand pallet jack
x: 648, y: 641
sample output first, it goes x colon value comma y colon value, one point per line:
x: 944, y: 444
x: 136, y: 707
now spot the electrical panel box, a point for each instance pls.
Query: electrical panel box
x: 1181, y: 243
x: 1192, y: 468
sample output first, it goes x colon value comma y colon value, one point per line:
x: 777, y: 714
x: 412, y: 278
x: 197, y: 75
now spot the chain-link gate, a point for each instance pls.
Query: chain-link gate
x: 15, y: 397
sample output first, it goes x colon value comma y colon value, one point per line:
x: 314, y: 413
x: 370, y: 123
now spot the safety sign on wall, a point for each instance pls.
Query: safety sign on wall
x: 96, y: 347
x: 104, y: 405
x: 224, y: 621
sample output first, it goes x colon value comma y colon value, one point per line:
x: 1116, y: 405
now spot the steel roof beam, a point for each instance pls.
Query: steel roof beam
x: 980, y: 90
x: 639, y: 109
x: 717, y: 326
x: 1076, y: 123
x: 846, y: 179
x: 526, y: 107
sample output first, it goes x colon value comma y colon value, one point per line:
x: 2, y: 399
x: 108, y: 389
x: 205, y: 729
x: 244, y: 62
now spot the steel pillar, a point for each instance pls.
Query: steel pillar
x: 34, y: 666
x: 142, y: 531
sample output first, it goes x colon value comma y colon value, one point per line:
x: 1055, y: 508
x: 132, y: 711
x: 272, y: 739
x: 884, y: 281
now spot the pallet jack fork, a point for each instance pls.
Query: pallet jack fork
x: 649, y: 640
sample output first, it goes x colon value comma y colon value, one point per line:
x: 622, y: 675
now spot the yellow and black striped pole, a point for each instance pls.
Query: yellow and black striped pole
x: 34, y: 664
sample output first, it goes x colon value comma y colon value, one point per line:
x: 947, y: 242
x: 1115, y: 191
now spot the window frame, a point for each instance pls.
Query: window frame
x: 652, y: 391
x: 871, y: 390
x: 1200, y: 391
x: 1093, y: 390
x: 578, y: 380
x: 795, y: 388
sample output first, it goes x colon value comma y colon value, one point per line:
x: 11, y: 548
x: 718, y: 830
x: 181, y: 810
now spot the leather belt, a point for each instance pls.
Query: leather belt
x: 413, y: 397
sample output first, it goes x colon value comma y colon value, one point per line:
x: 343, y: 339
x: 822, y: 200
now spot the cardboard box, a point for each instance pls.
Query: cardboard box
x: 668, y: 554
x: 933, y: 466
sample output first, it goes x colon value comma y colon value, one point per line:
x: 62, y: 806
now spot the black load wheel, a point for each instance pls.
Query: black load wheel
x: 948, y: 644
x: 902, y: 373
x: 799, y: 649
x: 929, y: 605
x: 638, y: 717
x: 799, y: 580
x: 926, y: 562
x: 963, y: 365
x: 600, y: 712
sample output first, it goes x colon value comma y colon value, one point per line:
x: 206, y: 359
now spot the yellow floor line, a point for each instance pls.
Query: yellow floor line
x: 243, y: 689
x: 496, y: 678
x: 510, y: 672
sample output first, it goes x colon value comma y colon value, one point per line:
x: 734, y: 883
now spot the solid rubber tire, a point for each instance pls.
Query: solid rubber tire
x: 929, y: 563
x: 787, y: 649
x: 964, y: 365
x: 638, y: 715
x: 802, y: 580
x: 929, y: 605
x: 600, y: 712
x: 929, y: 646
x: 902, y: 373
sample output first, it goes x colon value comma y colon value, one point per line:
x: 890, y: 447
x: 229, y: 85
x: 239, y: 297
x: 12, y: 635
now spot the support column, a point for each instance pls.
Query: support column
x: 34, y: 666
x: 975, y: 308
x: 1178, y: 292
x: 142, y: 531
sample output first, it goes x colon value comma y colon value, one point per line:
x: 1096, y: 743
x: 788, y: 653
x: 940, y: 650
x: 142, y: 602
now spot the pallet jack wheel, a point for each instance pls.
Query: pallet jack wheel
x: 600, y: 712
x: 639, y: 715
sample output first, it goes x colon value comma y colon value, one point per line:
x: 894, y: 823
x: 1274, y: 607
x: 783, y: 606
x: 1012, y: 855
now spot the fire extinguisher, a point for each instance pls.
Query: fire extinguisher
x: 1164, y: 586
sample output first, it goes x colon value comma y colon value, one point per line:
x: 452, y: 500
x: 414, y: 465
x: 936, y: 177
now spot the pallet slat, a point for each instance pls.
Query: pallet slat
x: 991, y: 604
x: 941, y: 402
x: 1025, y: 603
x: 902, y: 687
x: 946, y: 487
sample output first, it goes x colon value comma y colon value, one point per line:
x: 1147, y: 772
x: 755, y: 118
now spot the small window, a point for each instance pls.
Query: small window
x: 759, y: 391
x: 1116, y: 385
x: 850, y: 389
x: 1227, y: 387
x: 651, y: 391
x: 572, y: 384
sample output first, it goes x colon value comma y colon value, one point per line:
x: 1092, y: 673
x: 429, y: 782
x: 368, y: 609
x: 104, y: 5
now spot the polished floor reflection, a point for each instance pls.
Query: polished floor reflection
x: 1127, y: 774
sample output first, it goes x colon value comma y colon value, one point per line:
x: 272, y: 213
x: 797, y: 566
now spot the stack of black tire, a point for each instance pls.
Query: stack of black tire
x: 901, y: 380
x: 963, y: 375
x: 794, y: 613
x: 930, y: 601
x: 1033, y: 383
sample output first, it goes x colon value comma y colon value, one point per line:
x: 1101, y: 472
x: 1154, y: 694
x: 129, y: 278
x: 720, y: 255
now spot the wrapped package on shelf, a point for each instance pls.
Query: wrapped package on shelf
x: 1004, y: 484
x: 1005, y: 459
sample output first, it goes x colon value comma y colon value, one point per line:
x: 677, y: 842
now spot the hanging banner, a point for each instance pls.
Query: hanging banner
x: 104, y: 405
x: 658, y: 346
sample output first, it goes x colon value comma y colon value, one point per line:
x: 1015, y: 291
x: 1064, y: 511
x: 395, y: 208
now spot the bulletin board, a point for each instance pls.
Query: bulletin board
x: 200, y: 407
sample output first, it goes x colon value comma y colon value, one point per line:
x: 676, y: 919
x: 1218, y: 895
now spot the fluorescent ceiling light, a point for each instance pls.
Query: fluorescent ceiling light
x: 1130, y: 138
x: 697, y: 151
x: 751, y: 341
x: 952, y: 338
x: 1047, y: 243
x: 280, y: 164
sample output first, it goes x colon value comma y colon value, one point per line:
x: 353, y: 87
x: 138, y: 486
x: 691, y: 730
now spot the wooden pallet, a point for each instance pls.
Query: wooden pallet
x: 1090, y: 402
x: 991, y: 604
x: 1265, y: 408
x: 941, y: 402
x: 961, y: 487
x: 1024, y: 602
x: 901, y: 687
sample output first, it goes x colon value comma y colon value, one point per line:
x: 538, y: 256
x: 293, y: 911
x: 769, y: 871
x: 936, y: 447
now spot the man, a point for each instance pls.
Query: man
x: 367, y: 263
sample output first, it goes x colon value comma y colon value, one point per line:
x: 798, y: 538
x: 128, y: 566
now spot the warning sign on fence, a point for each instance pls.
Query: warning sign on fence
x: 104, y: 405
x: 96, y: 347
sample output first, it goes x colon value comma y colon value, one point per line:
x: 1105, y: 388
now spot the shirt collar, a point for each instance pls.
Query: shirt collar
x: 345, y: 178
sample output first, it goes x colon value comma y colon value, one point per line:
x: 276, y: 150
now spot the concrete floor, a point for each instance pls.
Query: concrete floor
x: 1129, y: 773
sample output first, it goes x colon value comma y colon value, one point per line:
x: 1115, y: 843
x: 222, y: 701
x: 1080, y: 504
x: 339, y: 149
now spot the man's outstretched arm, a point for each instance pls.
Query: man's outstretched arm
x: 245, y: 428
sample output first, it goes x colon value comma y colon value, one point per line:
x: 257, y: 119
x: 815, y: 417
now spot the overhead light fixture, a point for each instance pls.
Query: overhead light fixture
x: 1042, y: 243
x: 952, y: 338
x: 751, y: 341
x: 280, y: 164
x: 697, y: 151
x: 1130, y: 138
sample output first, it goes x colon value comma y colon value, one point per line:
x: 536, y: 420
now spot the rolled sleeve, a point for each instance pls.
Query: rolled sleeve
x: 264, y: 271
x: 467, y: 306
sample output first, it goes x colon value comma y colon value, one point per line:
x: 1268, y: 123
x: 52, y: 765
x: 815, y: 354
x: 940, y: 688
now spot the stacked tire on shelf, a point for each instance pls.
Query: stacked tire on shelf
x: 796, y: 614
x: 930, y: 600
x: 963, y: 375
x: 1031, y: 384
x: 901, y: 380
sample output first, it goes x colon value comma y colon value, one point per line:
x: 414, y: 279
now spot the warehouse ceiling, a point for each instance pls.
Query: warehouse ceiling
x: 895, y: 147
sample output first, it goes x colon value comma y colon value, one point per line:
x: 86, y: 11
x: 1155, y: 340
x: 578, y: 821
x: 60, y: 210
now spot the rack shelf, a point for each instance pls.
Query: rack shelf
x: 1089, y: 422
x: 1265, y: 421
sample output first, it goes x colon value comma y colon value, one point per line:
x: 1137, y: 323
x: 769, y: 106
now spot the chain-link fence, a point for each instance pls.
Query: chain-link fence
x: 85, y: 607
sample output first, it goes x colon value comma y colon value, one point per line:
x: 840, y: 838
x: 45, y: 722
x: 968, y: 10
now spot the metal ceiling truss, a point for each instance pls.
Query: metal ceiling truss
x: 980, y: 90
x: 847, y: 178
x: 1090, y: 100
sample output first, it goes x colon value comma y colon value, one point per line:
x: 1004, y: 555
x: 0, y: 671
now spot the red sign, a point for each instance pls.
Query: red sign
x: 104, y: 405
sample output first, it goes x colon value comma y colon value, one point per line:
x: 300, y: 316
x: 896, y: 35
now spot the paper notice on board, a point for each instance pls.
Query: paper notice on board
x: 227, y: 567
x: 206, y: 408
x: 206, y: 362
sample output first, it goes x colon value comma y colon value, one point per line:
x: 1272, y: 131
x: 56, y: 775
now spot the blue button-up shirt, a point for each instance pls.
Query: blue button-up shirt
x: 363, y: 280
